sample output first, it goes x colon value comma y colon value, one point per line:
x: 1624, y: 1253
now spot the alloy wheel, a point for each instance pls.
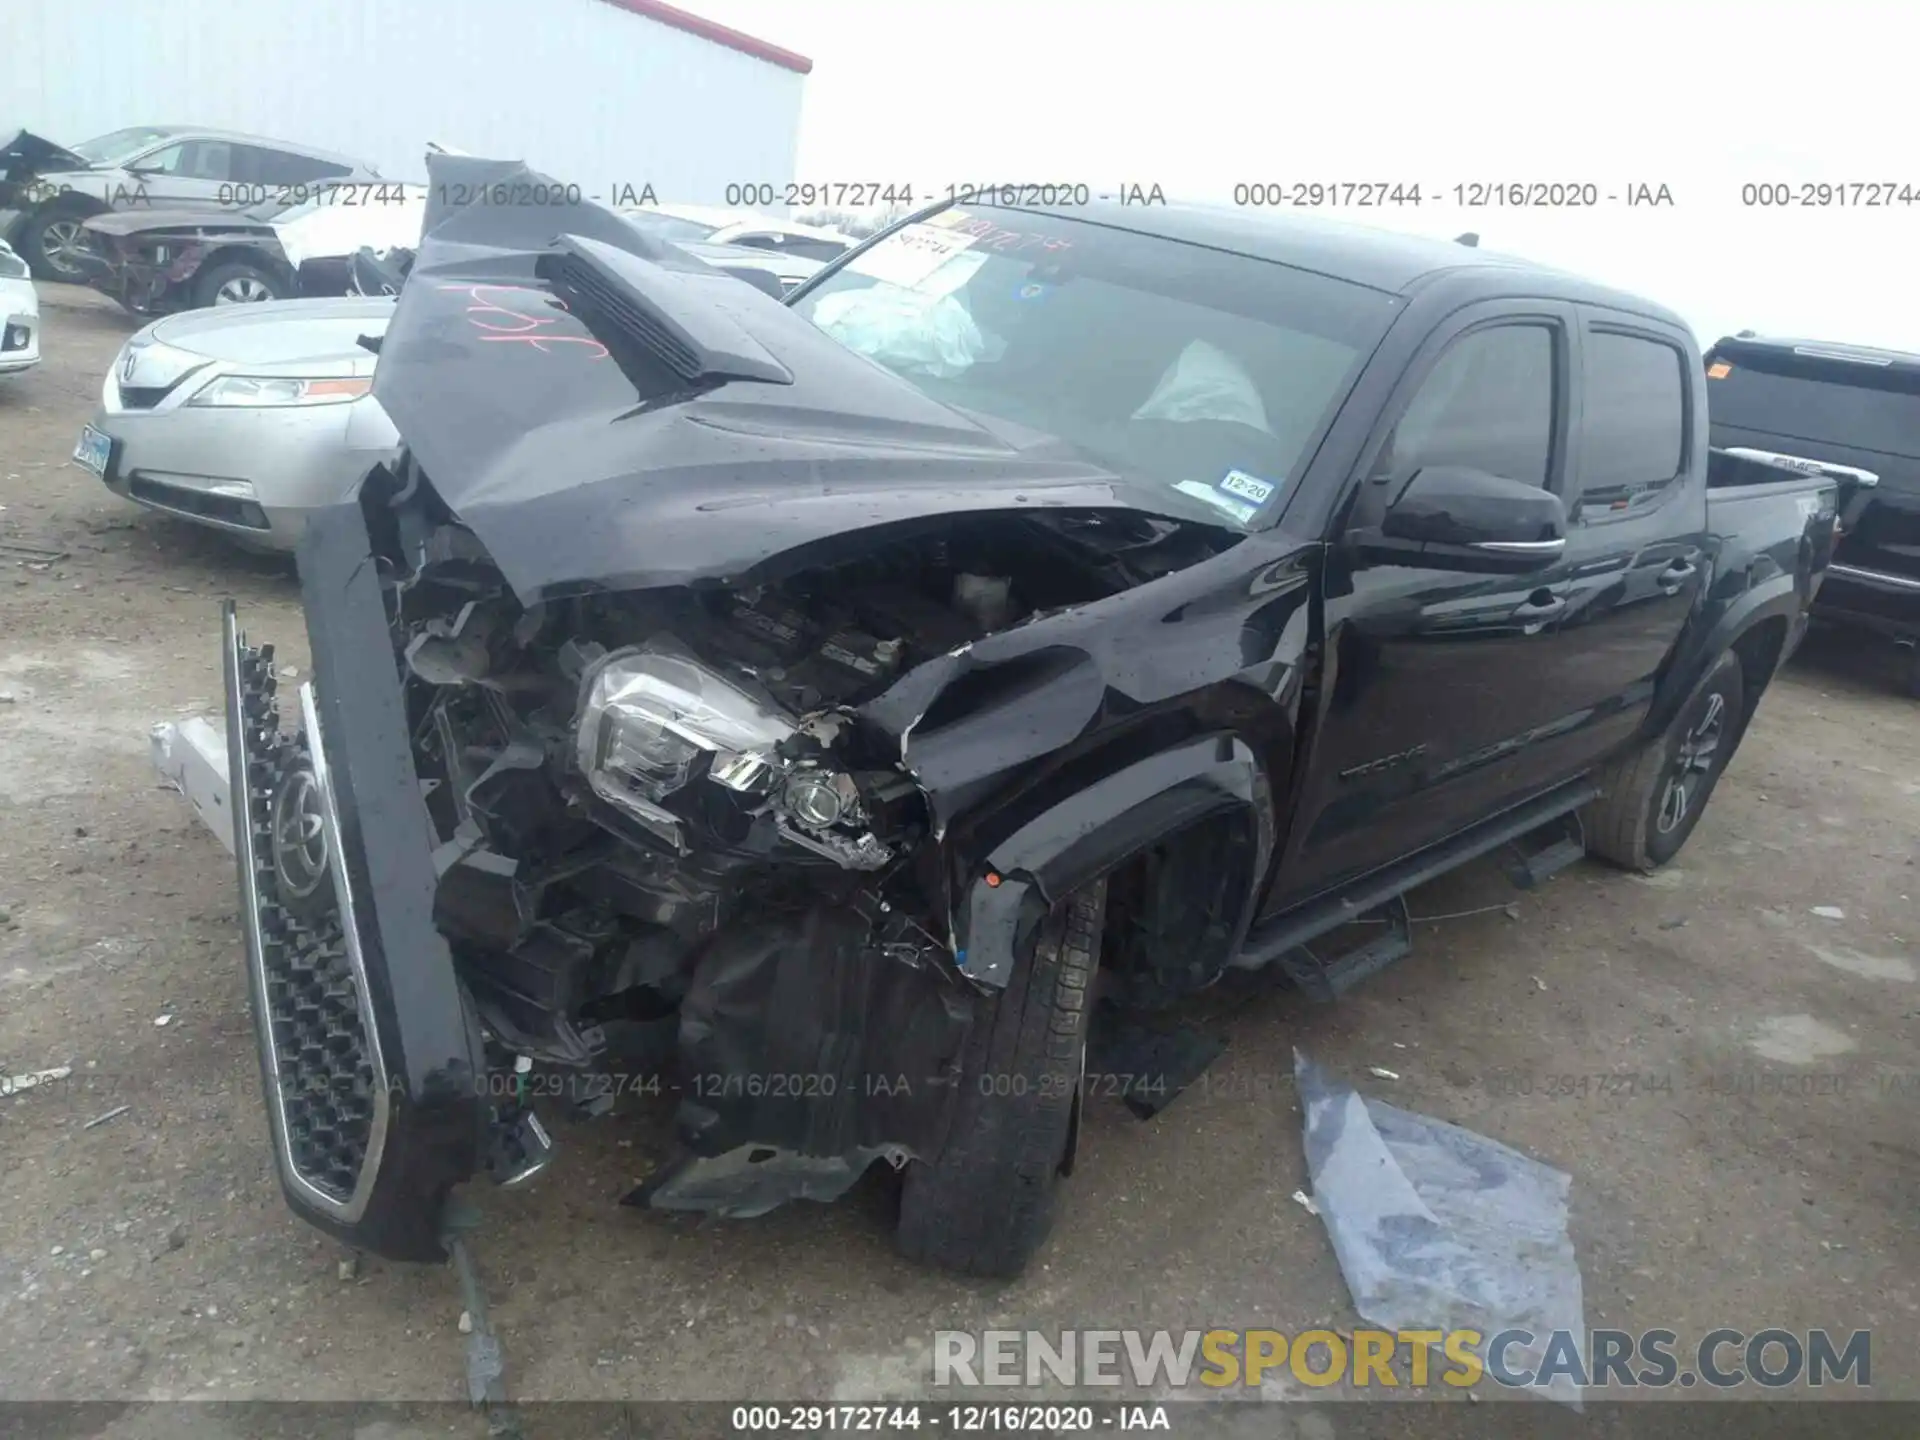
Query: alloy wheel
x: 242, y: 290
x: 63, y: 245
x: 1692, y: 766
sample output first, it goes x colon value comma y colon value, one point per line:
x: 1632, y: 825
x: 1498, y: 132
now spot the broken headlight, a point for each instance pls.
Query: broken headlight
x: 650, y: 714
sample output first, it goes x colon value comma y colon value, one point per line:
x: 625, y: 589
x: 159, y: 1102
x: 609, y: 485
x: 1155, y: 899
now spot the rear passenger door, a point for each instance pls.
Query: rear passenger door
x: 1636, y: 538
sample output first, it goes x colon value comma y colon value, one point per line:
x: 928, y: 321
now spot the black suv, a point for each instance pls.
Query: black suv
x: 1853, y: 413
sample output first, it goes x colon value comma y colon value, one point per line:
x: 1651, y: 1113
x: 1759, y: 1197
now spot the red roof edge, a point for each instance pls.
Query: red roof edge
x: 716, y: 32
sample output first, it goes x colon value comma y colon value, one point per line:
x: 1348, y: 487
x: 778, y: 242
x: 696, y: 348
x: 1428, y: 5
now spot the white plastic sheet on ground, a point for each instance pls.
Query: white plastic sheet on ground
x: 1437, y: 1228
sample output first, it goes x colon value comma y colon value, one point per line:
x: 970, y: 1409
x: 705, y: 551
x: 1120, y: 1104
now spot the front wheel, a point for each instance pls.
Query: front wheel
x: 55, y: 246
x: 985, y: 1206
x: 1652, y: 798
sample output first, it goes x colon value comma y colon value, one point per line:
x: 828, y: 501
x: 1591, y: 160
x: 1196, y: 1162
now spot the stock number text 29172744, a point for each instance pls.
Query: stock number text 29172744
x: 855, y: 194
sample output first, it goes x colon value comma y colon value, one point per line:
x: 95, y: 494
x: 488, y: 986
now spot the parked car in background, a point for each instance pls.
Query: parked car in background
x: 19, y: 314
x: 244, y: 419
x: 48, y: 191
x: 775, y: 272
x: 721, y: 689
x: 699, y: 223
x: 1853, y: 413
x: 154, y: 262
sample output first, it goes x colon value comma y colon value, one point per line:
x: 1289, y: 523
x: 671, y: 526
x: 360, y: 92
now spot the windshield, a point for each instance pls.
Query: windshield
x: 120, y: 145
x: 669, y: 227
x: 1881, y: 413
x: 1193, y: 370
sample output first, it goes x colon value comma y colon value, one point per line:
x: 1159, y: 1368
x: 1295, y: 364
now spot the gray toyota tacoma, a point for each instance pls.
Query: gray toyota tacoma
x: 816, y: 712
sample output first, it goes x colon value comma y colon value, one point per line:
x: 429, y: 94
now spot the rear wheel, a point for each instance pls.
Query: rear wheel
x: 1652, y: 798
x: 985, y: 1206
x: 234, y: 282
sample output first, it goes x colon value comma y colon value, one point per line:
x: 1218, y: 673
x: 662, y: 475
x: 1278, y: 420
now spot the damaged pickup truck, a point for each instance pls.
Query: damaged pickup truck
x: 822, y: 704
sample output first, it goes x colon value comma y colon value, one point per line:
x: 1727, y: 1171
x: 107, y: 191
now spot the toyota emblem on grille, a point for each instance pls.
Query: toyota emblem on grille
x: 126, y: 365
x: 299, y: 840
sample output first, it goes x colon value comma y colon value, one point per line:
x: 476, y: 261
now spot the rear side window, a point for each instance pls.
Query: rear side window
x: 1633, y: 429
x: 1486, y: 405
x: 259, y: 165
x: 1880, y: 414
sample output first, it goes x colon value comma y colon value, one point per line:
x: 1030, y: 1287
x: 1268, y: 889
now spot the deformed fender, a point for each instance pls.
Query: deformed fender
x: 1095, y: 830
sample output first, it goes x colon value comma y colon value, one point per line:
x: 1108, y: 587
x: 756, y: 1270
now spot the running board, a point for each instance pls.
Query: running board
x: 1268, y: 942
x: 1546, y: 852
x: 1324, y: 981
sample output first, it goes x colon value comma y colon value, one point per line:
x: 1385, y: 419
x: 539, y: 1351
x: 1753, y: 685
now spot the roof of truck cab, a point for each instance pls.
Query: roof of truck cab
x: 1360, y: 254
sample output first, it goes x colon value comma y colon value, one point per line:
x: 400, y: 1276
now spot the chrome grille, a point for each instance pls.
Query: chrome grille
x: 326, y: 1096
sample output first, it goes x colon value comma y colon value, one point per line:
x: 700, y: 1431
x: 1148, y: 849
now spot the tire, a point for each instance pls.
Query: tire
x: 229, y: 281
x: 1913, y: 671
x: 985, y: 1206
x: 44, y: 236
x: 1639, y: 823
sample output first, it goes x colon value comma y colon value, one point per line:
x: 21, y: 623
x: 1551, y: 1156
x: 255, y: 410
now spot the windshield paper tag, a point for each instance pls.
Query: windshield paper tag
x: 1240, y: 510
x: 909, y: 256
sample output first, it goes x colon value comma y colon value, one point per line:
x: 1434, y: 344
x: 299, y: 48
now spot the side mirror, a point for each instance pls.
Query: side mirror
x: 1449, y: 517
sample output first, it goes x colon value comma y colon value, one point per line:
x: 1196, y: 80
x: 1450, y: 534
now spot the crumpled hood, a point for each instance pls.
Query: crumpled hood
x: 23, y: 153
x: 530, y: 367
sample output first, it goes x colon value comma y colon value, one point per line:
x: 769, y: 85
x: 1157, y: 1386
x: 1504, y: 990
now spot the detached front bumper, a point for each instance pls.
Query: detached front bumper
x: 371, y: 1062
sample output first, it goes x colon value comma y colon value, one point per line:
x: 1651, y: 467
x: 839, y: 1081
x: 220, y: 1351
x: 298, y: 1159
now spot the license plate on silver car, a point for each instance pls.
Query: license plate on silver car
x: 94, y: 450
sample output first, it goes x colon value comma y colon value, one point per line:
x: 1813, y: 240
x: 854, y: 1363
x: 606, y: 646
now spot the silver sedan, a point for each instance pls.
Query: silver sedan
x: 245, y: 418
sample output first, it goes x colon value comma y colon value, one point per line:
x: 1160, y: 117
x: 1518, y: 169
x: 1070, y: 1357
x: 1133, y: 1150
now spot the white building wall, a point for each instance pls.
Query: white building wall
x: 579, y: 89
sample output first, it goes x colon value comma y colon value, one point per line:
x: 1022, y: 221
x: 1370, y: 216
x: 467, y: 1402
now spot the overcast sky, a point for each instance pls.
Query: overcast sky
x: 1203, y: 94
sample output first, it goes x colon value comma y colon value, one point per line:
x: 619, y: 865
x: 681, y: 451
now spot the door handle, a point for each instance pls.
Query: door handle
x: 1536, y: 611
x: 1676, y: 575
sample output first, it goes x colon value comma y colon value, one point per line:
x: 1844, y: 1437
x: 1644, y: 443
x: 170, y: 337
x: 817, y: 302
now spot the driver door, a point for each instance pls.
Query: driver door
x: 1438, y: 708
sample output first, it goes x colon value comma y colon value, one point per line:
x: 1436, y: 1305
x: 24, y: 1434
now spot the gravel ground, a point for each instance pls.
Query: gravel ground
x: 1761, y: 1171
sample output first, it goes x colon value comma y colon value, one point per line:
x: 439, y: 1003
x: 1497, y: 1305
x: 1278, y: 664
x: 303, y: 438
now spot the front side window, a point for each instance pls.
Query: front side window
x: 189, y: 160
x: 165, y: 161
x: 1633, y: 418
x: 208, y: 160
x: 1486, y: 405
x: 1201, y: 375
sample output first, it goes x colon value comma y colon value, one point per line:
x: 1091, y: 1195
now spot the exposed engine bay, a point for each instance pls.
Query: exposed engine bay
x: 624, y: 785
x: 704, y: 710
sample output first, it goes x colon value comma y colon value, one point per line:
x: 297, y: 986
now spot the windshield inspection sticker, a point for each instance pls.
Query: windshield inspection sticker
x: 1247, y: 487
x: 1237, y: 493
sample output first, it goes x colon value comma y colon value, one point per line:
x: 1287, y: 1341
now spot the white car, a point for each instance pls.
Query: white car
x: 703, y: 224
x: 245, y: 418
x: 19, y: 314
